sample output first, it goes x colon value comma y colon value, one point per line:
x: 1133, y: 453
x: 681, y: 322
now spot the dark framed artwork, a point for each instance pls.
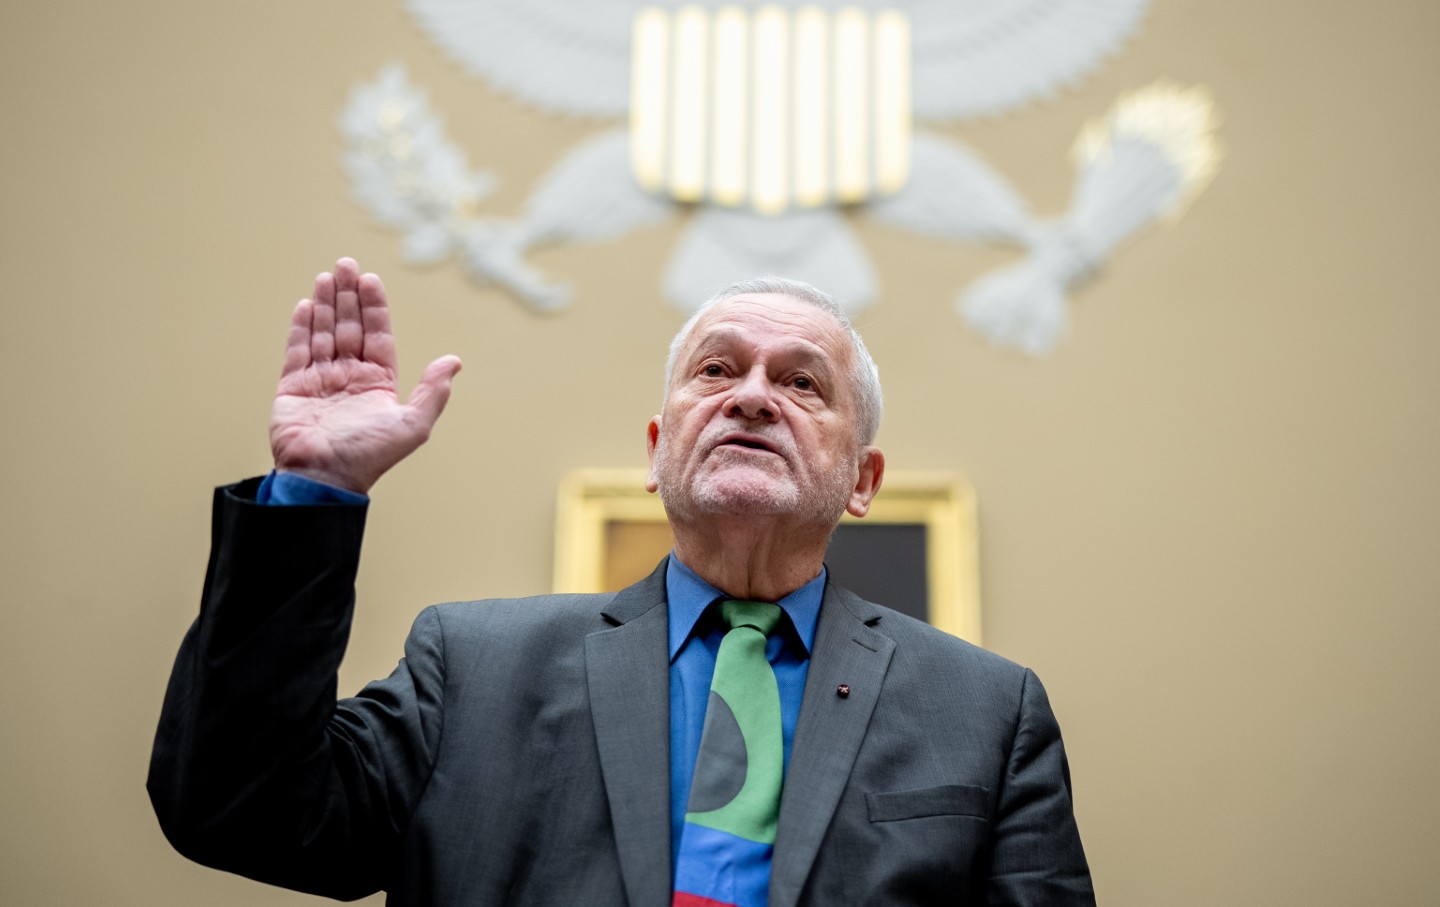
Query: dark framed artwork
x: 916, y: 551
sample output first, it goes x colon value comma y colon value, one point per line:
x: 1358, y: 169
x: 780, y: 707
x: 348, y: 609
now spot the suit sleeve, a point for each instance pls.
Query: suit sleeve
x: 1037, y: 858
x: 256, y: 768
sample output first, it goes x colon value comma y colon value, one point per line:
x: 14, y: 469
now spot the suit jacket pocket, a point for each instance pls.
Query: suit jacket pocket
x: 946, y: 800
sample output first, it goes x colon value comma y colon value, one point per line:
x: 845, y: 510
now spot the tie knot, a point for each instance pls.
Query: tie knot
x: 761, y: 616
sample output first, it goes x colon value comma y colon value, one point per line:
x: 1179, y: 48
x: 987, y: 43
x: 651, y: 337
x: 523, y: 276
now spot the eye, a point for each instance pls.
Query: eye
x: 803, y: 383
x: 713, y: 370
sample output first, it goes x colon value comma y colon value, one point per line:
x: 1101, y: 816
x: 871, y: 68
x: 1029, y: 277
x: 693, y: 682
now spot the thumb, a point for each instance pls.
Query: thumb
x: 433, y: 392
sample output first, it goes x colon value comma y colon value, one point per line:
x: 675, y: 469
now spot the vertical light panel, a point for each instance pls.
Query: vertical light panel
x: 649, y: 76
x: 729, y: 135
x: 812, y: 107
x: 770, y: 94
x: 892, y: 101
x: 852, y: 105
x: 771, y: 108
x: 690, y: 63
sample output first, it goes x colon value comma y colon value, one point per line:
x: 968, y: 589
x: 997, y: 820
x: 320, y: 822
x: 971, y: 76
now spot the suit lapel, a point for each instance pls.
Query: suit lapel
x: 629, y: 682
x: 828, y: 734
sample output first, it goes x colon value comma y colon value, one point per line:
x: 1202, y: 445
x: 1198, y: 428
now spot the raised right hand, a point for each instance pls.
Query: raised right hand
x: 337, y: 417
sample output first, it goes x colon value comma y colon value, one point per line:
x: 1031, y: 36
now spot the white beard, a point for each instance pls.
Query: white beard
x: 767, y: 487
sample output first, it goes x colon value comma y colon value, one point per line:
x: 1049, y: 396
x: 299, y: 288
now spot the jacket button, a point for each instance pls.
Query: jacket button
x: 842, y: 690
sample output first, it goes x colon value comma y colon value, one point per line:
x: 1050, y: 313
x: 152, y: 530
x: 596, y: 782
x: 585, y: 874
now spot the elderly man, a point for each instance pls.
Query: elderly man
x: 735, y: 729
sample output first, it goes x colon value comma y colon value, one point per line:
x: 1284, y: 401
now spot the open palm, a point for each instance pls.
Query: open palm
x: 337, y: 416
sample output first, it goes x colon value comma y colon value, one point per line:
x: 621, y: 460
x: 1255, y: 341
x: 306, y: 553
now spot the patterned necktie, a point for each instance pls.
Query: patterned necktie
x: 729, y: 832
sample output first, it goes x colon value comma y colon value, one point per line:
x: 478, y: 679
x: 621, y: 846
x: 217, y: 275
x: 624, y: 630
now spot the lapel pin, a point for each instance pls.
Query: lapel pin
x: 842, y: 690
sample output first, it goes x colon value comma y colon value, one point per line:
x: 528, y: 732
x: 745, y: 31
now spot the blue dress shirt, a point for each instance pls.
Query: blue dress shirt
x: 695, y: 636
x: 287, y: 488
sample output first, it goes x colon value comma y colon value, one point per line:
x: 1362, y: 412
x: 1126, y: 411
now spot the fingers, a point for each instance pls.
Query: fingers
x: 433, y: 392
x: 350, y: 317
x: 374, y: 312
x: 297, y: 344
x: 347, y: 318
x: 349, y: 336
x: 322, y: 318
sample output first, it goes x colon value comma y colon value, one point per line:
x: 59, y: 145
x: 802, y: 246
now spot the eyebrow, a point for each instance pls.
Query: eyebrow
x: 805, y: 352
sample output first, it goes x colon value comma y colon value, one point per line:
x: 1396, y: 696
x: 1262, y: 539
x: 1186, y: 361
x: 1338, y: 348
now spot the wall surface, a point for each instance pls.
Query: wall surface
x: 1210, y: 520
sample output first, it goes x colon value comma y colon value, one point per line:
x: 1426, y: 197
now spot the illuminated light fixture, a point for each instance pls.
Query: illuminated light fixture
x: 812, y: 107
x: 892, y: 101
x: 649, y: 65
x: 729, y: 124
x: 769, y: 108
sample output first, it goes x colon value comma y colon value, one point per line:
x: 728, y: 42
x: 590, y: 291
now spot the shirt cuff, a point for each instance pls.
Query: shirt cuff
x: 287, y: 488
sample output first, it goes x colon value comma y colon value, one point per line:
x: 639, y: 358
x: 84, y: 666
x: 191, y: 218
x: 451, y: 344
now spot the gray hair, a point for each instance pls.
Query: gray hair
x: 864, y: 375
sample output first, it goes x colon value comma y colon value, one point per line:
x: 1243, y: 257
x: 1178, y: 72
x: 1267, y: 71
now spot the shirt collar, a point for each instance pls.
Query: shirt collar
x: 688, y: 596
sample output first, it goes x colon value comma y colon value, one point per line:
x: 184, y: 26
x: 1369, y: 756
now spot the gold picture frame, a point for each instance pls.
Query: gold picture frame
x: 610, y: 532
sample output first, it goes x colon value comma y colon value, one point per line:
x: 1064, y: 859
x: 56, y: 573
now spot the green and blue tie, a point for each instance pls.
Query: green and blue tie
x: 729, y: 834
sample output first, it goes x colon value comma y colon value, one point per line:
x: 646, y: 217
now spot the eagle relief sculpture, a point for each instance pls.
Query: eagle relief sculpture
x: 759, y: 126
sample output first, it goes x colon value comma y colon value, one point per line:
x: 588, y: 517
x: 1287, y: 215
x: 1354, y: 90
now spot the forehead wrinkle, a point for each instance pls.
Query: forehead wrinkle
x: 787, y: 310
x: 790, y: 318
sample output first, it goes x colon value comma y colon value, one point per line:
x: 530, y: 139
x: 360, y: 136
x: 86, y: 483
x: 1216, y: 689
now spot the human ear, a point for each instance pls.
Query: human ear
x: 652, y: 437
x: 867, y: 483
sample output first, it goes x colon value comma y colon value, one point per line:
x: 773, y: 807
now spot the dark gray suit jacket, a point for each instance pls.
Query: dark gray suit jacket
x: 518, y: 754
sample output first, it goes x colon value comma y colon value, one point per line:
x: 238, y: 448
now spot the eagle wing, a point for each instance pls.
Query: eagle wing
x: 971, y: 58
x: 985, y: 57
x: 560, y: 55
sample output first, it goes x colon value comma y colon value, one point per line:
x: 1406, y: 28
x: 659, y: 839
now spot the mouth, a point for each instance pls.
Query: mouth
x: 746, y: 442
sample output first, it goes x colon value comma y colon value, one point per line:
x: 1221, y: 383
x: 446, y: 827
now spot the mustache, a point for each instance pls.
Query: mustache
x: 755, y: 440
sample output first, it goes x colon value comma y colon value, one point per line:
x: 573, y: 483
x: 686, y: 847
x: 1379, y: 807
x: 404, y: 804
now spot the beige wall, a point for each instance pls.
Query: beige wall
x: 1209, y: 520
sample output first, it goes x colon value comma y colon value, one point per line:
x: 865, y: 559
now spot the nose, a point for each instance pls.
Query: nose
x: 752, y: 398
